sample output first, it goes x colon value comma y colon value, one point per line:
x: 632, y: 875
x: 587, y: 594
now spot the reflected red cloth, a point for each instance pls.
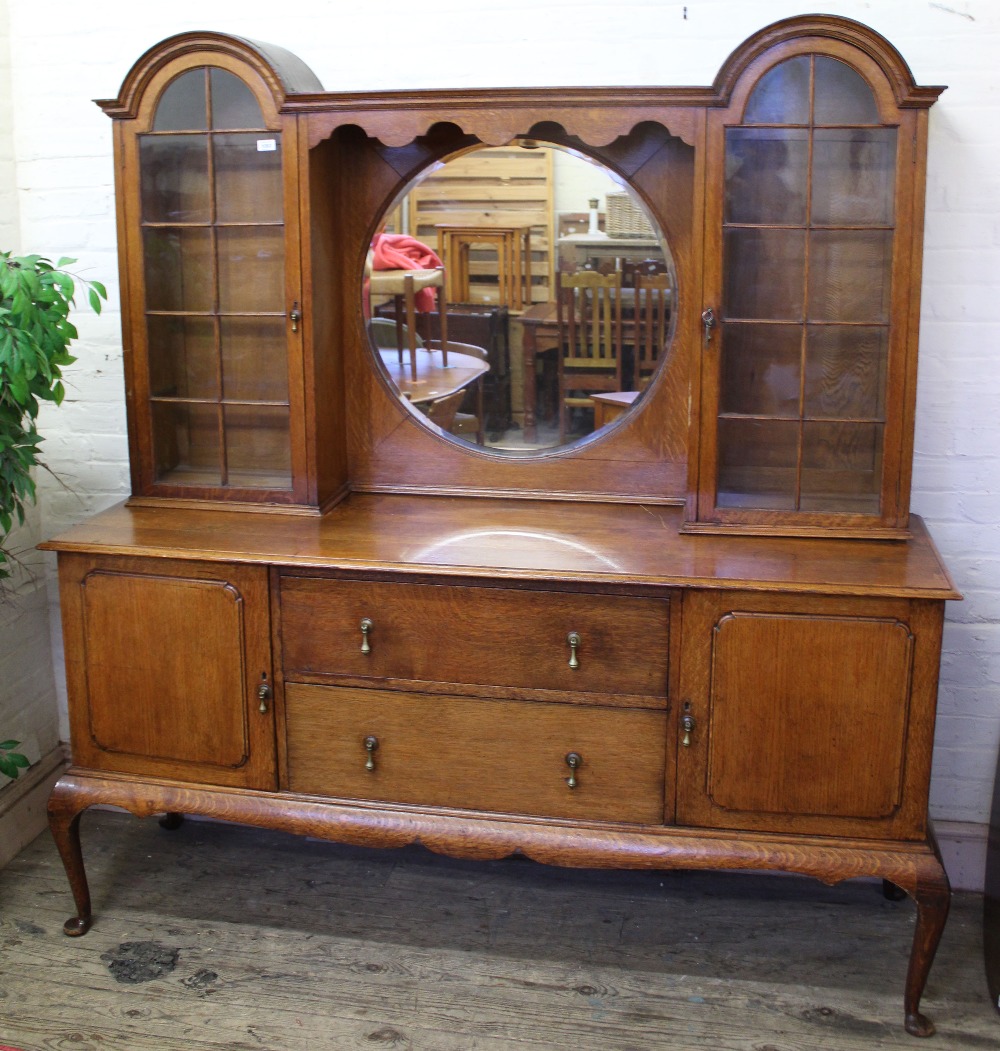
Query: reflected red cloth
x: 402, y: 252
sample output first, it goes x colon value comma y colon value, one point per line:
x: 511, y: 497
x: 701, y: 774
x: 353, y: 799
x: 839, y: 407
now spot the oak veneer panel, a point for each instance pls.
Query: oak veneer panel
x: 163, y: 666
x: 506, y: 756
x: 808, y: 714
x: 481, y: 636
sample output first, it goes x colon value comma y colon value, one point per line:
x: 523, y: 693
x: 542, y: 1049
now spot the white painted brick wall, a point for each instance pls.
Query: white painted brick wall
x: 28, y: 707
x: 64, y: 192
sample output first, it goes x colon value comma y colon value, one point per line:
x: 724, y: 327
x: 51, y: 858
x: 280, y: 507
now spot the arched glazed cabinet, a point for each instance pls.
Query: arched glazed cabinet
x: 324, y: 612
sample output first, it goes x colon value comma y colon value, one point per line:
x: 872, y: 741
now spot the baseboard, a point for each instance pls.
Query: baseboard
x: 22, y: 804
x: 963, y: 851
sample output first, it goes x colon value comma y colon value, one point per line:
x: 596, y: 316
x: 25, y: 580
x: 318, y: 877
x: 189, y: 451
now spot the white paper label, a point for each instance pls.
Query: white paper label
x: 266, y: 145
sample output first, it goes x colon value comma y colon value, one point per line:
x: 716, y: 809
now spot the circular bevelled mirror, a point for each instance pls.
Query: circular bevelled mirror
x: 519, y: 299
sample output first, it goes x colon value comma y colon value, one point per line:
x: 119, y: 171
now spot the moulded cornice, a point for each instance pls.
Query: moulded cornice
x: 908, y: 94
x: 283, y: 72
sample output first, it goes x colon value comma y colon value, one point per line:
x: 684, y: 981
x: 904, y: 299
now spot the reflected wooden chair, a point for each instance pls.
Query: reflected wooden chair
x: 384, y: 334
x: 588, y: 311
x: 653, y: 303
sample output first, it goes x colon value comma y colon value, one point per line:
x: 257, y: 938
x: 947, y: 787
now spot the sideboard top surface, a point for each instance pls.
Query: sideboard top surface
x: 511, y: 539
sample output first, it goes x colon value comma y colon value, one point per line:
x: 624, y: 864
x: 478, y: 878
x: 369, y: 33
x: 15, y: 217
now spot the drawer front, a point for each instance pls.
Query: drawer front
x: 476, y: 636
x: 504, y: 756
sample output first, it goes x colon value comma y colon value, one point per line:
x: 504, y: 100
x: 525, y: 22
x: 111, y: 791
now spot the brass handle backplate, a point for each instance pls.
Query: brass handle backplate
x: 366, y: 627
x: 573, y: 638
x: 371, y: 745
x: 263, y: 695
x: 574, y: 761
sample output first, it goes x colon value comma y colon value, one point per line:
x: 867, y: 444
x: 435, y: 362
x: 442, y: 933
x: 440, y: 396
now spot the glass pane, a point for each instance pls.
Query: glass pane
x: 854, y: 176
x: 258, y: 447
x: 174, y: 178
x: 233, y: 103
x: 182, y: 357
x: 841, y: 467
x: 849, y: 275
x: 178, y: 267
x: 247, y: 178
x: 764, y: 274
x: 186, y: 443
x: 766, y: 175
x: 782, y: 95
x: 254, y: 364
x: 251, y: 269
x: 760, y: 369
x: 757, y: 463
x: 182, y: 106
x: 845, y: 371
x: 842, y: 95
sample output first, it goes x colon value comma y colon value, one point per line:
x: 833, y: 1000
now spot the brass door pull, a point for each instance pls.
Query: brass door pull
x: 687, y: 725
x: 366, y: 627
x: 263, y: 695
x: 371, y: 745
x: 574, y: 761
x: 573, y: 638
x: 295, y: 317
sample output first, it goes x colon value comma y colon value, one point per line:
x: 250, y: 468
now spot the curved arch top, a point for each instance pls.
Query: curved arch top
x: 908, y: 94
x: 283, y: 72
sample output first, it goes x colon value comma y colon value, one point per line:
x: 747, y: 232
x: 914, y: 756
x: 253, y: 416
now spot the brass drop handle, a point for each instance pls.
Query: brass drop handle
x: 708, y: 322
x: 263, y: 695
x: 371, y: 745
x: 574, y: 761
x: 573, y: 638
x: 687, y: 725
x: 366, y: 627
x: 295, y: 317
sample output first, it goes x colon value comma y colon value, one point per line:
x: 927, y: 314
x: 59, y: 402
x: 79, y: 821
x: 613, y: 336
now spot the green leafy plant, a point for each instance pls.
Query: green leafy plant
x: 36, y: 297
x: 11, y: 762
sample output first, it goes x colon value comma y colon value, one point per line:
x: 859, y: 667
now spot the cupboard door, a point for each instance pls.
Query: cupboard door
x: 211, y: 241
x: 807, y: 412
x: 806, y: 715
x: 165, y: 665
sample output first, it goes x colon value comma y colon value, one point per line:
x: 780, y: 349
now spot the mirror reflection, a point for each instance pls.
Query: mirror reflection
x: 519, y: 297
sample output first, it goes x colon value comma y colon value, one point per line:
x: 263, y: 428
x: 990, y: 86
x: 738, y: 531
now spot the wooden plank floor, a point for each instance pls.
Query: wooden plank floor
x: 217, y: 937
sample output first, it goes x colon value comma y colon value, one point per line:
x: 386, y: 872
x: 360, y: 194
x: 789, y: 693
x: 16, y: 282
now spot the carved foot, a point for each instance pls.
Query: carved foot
x: 919, y: 1025
x: 75, y: 926
x: 171, y: 821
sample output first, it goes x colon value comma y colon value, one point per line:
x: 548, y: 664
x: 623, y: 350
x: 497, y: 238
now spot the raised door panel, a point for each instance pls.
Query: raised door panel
x: 506, y: 756
x: 803, y: 716
x: 165, y: 662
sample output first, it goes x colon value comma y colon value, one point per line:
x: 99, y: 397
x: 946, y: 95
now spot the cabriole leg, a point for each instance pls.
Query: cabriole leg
x: 933, y: 899
x: 64, y: 823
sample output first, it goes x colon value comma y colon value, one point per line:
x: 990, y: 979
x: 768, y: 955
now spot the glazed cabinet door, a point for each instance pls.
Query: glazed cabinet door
x: 169, y: 669
x: 209, y: 228
x: 809, y: 715
x: 814, y: 218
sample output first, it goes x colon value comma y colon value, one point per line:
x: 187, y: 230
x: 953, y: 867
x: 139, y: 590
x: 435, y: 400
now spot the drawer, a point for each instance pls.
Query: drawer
x: 490, y: 637
x: 469, y: 753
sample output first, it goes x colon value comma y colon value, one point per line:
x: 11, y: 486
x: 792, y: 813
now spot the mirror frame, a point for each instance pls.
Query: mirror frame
x: 355, y: 176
